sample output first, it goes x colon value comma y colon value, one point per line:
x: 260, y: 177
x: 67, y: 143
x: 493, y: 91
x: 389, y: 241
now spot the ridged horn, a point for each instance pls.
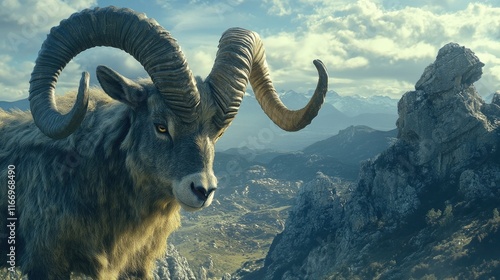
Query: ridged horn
x: 241, y: 58
x: 125, y: 29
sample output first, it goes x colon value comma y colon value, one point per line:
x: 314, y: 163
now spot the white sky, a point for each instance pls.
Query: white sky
x: 370, y: 47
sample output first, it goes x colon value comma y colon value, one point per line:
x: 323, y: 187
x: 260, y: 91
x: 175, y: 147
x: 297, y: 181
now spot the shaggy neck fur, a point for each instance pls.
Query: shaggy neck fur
x: 105, y: 204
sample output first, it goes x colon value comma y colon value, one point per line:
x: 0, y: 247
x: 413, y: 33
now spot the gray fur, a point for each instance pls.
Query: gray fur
x: 100, y: 201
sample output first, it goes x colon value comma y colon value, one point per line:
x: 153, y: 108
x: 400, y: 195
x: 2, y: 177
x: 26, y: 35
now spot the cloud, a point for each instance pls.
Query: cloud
x: 202, y: 62
x: 24, y: 25
x: 369, y: 46
x: 114, y: 58
x: 198, y: 25
x: 379, y: 47
x: 25, y: 21
x: 356, y: 62
x: 14, y: 78
x: 278, y: 7
x: 201, y: 16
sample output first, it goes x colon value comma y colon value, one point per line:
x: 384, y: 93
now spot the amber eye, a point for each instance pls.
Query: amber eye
x: 161, y: 128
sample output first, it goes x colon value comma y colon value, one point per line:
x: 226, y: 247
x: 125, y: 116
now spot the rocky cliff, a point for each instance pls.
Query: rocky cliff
x: 173, y: 267
x: 427, y: 207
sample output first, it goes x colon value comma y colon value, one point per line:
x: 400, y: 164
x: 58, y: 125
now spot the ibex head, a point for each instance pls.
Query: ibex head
x: 175, y: 119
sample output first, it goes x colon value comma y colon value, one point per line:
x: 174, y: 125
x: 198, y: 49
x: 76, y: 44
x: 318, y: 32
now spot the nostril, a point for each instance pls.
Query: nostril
x: 200, y: 191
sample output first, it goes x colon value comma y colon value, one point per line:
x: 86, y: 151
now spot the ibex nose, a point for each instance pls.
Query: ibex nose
x: 201, y: 192
x: 195, y: 191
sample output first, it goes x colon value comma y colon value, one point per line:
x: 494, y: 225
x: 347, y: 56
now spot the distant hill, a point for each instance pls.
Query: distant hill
x: 22, y: 104
x: 337, y: 156
x: 354, y: 144
x: 253, y: 129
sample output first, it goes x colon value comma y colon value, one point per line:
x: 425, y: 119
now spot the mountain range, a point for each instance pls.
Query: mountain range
x: 253, y: 130
x: 22, y: 104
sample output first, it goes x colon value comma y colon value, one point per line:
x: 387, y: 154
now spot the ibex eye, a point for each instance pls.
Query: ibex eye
x: 161, y: 128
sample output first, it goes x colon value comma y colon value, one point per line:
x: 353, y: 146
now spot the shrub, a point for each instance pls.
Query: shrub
x: 438, y: 217
x: 447, y: 216
x: 432, y: 217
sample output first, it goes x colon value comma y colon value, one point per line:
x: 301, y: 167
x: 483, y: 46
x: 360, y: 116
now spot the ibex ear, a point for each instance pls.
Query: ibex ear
x: 120, y: 87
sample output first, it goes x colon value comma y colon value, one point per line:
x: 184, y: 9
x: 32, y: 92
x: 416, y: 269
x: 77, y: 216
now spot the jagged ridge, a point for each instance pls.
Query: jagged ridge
x: 426, y: 207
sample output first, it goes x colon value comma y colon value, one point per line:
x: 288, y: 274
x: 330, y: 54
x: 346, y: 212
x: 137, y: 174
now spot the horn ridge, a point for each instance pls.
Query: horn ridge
x: 241, y: 59
x: 122, y: 28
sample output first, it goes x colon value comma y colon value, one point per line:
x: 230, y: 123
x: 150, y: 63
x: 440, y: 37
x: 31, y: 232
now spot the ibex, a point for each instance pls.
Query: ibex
x: 99, y: 184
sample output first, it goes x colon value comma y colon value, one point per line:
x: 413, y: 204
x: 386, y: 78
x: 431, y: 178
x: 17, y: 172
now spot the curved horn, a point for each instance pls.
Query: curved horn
x: 241, y: 58
x: 125, y: 29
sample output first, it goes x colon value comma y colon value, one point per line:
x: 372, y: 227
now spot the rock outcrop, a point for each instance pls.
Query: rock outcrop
x: 173, y: 267
x: 425, y: 207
